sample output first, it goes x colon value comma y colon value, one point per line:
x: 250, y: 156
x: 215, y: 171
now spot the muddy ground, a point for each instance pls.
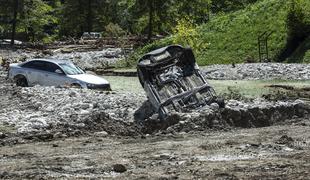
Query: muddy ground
x: 277, y: 152
x: 113, y: 146
x: 60, y: 133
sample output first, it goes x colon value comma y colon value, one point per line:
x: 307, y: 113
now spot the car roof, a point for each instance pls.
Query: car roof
x: 56, y: 61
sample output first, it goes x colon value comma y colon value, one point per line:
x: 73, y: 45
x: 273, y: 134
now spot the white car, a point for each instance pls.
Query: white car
x: 52, y: 72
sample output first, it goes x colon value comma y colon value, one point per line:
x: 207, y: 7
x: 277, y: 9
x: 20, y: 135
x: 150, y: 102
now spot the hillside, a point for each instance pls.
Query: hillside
x: 232, y: 37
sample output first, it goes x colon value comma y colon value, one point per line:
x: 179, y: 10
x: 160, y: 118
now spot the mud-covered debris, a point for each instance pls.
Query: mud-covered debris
x: 285, y: 139
x: 258, y: 113
x: 172, y: 81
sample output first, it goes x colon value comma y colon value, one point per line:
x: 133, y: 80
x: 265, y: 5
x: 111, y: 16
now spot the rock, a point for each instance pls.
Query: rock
x: 101, y: 134
x: 73, y: 94
x: 84, y: 106
x: 119, y: 168
x: 58, y: 135
x: 84, y: 112
x: 2, y: 135
x: 214, y: 106
x: 285, y: 139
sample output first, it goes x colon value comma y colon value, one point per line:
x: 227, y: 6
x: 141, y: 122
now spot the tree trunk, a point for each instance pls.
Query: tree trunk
x: 81, y: 25
x: 151, y: 12
x: 89, y: 17
x: 15, y: 10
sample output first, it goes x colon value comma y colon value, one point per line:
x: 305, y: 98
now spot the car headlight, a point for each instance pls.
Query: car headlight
x: 91, y: 85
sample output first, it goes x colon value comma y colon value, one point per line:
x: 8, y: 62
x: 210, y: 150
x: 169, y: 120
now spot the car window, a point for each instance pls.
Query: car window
x: 51, y: 67
x: 42, y: 65
x: 71, y: 69
x: 39, y: 65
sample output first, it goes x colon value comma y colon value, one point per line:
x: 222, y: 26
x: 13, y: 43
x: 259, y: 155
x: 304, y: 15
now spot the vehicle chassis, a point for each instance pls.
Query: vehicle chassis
x: 172, y: 80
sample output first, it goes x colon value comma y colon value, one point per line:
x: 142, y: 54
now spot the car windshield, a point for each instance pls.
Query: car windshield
x: 71, y: 69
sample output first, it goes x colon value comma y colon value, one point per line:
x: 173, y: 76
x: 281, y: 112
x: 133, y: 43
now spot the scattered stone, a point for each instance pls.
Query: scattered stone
x: 254, y: 71
x: 285, y: 139
x: 119, y: 168
x: 101, y: 134
x: 214, y: 106
x: 2, y: 135
x: 73, y: 112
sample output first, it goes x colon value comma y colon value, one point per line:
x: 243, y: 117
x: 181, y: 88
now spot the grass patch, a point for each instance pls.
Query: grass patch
x: 7, y: 129
x: 245, y: 88
x: 124, y: 84
x: 232, y: 37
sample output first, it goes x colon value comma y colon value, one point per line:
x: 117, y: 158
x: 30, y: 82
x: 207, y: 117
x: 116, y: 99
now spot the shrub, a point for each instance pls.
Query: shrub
x: 186, y: 34
x: 114, y: 30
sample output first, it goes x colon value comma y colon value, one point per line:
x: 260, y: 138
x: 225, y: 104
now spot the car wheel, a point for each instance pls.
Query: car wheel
x: 21, y: 81
x: 220, y: 102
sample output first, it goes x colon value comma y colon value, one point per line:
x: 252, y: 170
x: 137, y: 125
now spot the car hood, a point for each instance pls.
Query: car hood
x: 88, y: 78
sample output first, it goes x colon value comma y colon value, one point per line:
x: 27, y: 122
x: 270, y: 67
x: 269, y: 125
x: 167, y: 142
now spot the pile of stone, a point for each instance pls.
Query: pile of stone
x: 258, y: 71
x: 86, y: 60
x: 38, y: 109
x: 49, y: 109
x: 14, y: 56
x: 259, y: 113
x: 92, y: 59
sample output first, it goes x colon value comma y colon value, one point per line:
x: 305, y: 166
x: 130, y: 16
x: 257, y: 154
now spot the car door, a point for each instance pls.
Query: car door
x: 54, y: 75
x: 34, y: 72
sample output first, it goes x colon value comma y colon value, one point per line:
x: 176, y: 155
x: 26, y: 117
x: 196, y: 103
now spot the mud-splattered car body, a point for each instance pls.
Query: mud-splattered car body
x: 172, y: 81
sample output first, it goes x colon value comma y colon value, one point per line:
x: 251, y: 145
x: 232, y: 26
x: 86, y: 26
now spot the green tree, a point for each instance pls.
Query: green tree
x: 35, y: 15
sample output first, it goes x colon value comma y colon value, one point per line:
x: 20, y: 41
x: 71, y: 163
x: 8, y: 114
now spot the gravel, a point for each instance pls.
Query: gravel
x: 42, y: 109
x: 258, y: 71
x: 257, y: 113
x: 86, y: 60
x: 92, y: 59
x: 71, y: 111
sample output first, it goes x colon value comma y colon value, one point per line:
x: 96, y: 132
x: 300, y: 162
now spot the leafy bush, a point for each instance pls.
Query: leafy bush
x: 298, y: 19
x: 298, y: 29
x: 307, y: 57
x: 186, y: 34
x: 114, y: 30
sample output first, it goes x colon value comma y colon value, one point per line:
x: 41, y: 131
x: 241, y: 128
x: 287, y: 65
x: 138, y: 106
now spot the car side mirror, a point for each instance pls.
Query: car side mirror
x: 58, y: 71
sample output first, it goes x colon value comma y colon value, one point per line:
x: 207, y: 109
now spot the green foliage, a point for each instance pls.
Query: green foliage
x: 232, y: 37
x: 298, y: 30
x: 228, y: 5
x: 300, y: 55
x: 298, y: 19
x: 186, y: 34
x: 114, y: 30
x: 307, y: 57
x: 34, y: 17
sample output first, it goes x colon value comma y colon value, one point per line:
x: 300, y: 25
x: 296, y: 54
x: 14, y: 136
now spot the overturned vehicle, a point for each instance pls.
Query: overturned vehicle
x: 173, y: 82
